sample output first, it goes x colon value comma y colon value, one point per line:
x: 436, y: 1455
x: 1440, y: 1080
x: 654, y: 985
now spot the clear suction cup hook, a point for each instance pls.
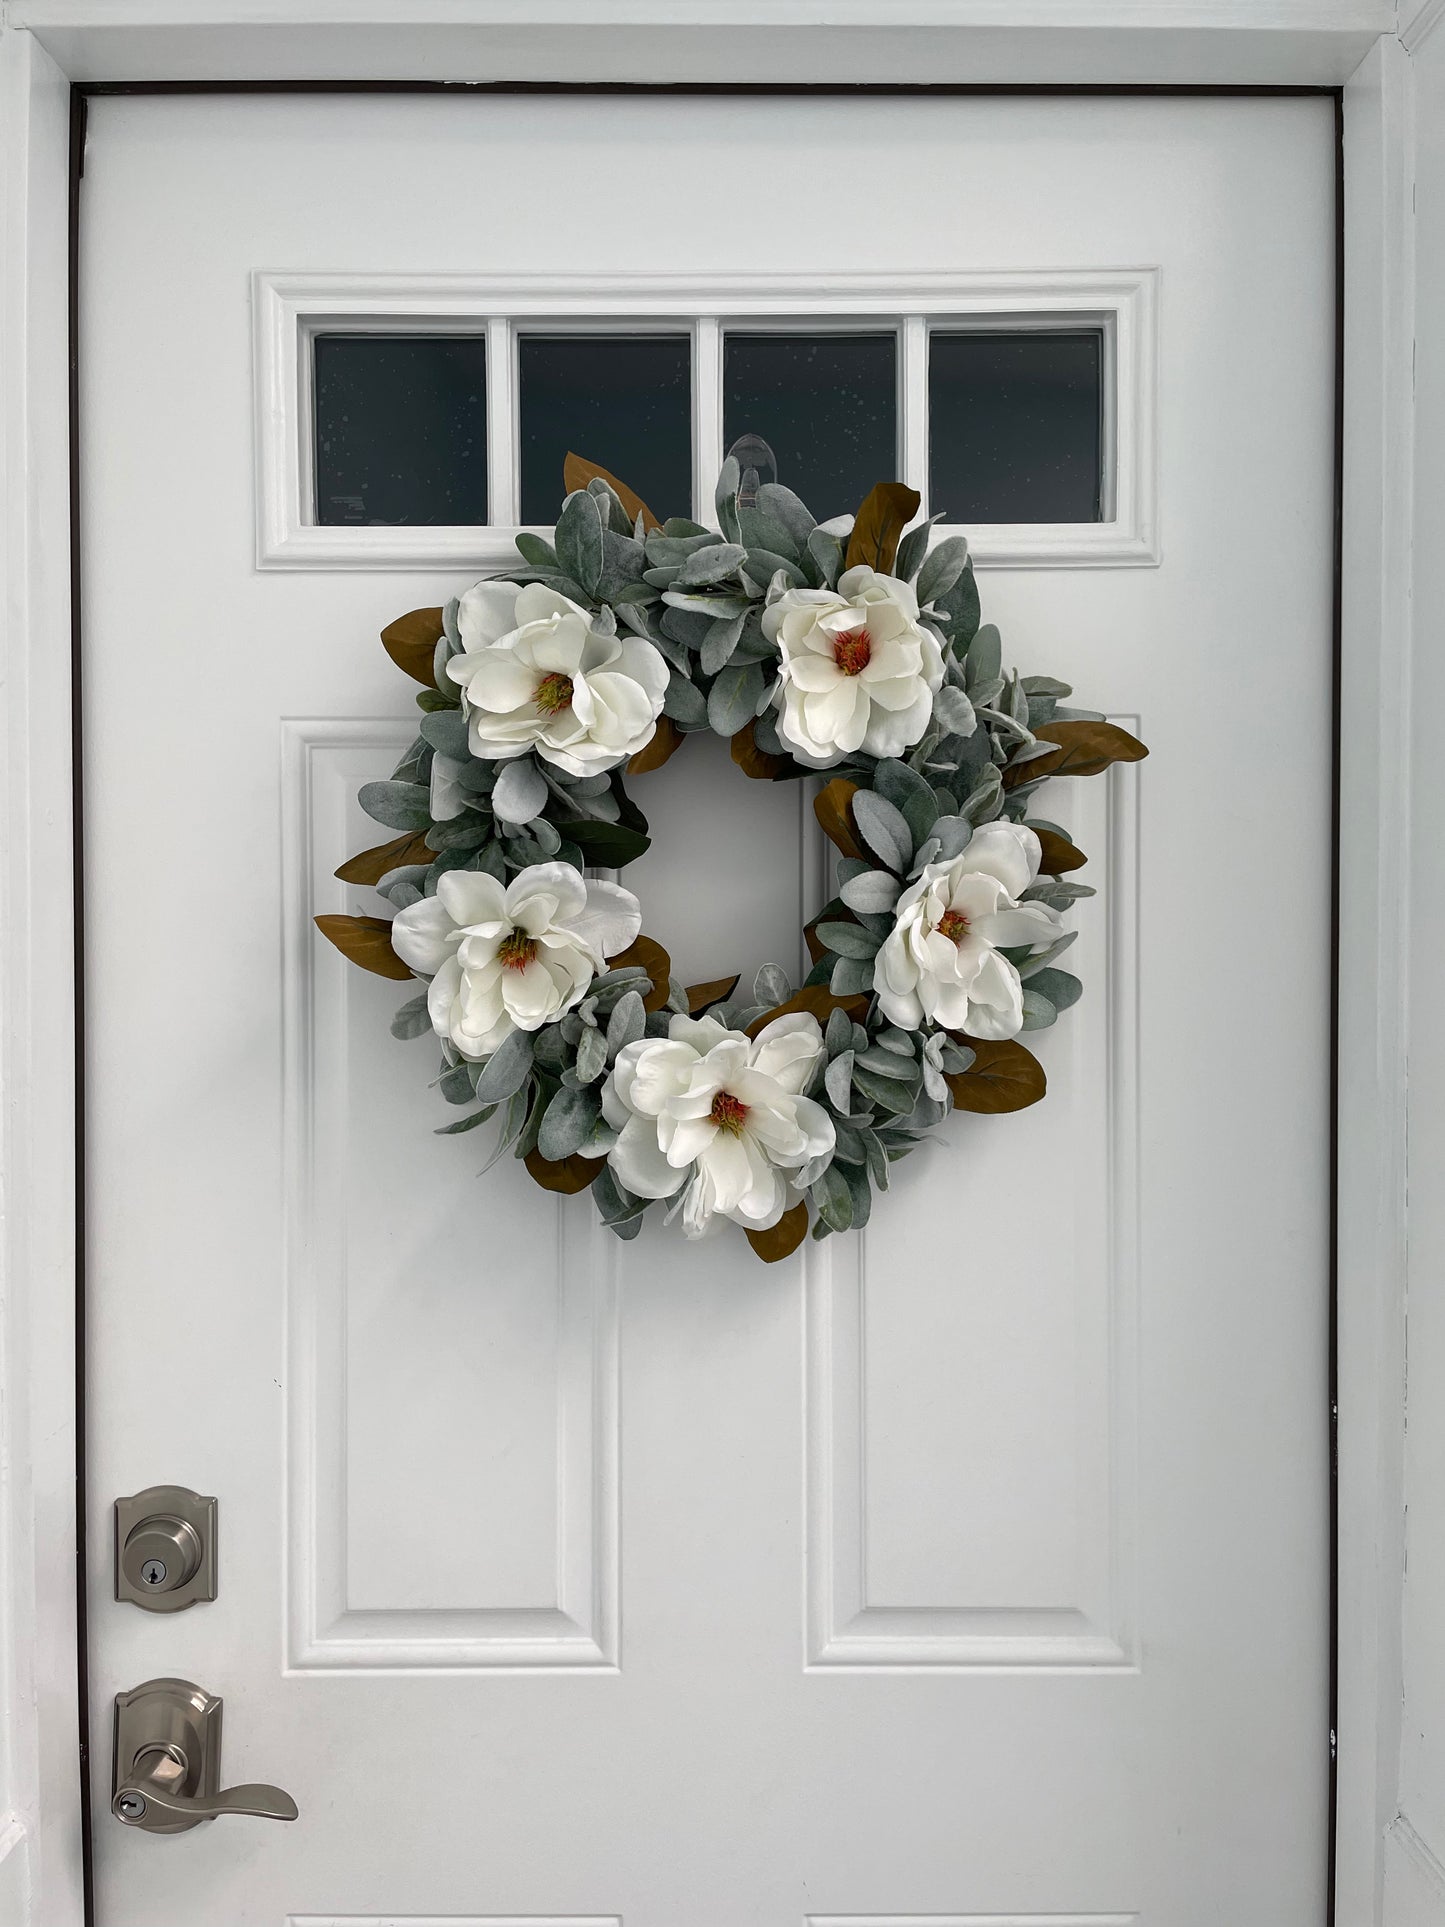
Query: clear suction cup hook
x: 758, y: 464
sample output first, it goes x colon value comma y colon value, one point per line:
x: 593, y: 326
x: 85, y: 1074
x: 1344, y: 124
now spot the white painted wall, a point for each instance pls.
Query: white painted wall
x: 1415, y: 1870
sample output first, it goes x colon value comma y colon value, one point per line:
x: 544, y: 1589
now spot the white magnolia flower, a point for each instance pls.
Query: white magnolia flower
x: 534, y: 674
x: 511, y: 959
x: 721, y: 1113
x: 860, y: 670
x: 942, y: 960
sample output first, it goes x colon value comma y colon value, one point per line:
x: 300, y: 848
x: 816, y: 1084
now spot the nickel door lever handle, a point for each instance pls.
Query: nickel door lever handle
x: 168, y: 1762
x: 154, y: 1786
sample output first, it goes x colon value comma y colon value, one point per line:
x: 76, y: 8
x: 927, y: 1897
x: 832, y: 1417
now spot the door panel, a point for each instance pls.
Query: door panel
x: 972, y: 1570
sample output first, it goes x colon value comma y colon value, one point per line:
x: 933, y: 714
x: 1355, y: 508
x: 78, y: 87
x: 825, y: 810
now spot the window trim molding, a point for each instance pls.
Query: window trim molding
x: 289, y: 308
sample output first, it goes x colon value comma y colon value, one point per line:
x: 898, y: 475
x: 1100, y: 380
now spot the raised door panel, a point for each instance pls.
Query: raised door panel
x: 972, y: 1395
x: 437, y: 1517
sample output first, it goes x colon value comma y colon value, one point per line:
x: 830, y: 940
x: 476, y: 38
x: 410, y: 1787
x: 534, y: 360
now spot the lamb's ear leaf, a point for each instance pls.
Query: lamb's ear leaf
x: 1084, y: 749
x: 666, y: 739
x: 1002, y: 1077
x: 567, y: 1175
x: 887, y: 510
x: 411, y: 643
x: 818, y: 1001
x: 646, y: 954
x: 1059, y: 856
x: 699, y: 996
x: 365, y: 941
x: 834, y: 911
x: 577, y: 472
x: 783, y: 1238
x: 370, y: 866
x: 751, y: 760
x: 833, y: 808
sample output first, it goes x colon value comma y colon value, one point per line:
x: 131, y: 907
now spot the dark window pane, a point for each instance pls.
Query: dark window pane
x: 401, y: 428
x: 827, y: 406
x: 1015, y: 427
x: 621, y: 401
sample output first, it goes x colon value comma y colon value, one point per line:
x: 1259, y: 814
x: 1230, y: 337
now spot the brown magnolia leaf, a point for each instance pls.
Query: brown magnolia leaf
x: 372, y: 865
x: 699, y: 996
x: 666, y: 739
x: 887, y: 510
x: 1084, y: 750
x: 646, y: 954
x: 411, y: 643
x: 567, y: 1175
x: 1003, y: 1077
x: 819, y: 1001
x: 784, y: 1237
x: 752, y: 761
x: 1059, y: 856
x: 577, y: 472
x: 832, y: 807
x: 365, y: 941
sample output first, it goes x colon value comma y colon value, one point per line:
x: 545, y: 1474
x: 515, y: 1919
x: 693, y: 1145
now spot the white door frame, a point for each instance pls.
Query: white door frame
x: 45, y: 47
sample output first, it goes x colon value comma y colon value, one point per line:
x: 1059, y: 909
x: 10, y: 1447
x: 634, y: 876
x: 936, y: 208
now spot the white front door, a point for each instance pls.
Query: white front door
x: 973, y: 1569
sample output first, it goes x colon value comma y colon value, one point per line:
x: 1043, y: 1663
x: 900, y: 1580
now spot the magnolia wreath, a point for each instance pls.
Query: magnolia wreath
x: 846, y: 647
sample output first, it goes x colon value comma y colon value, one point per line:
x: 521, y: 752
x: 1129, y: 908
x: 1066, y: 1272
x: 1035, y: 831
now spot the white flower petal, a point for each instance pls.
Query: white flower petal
x: 1032, y: 923
x: 530, y: 995
x: 610, y: 920
x: 787, y: 1050
x: 637, y: 1160
x: 702, y: 1033
x: 562, y: 892
x: 557, y: 648
x: 725, y: 1160
x: 650, y: 1072
x: 1008, y: 851
x: 495, y: 680
x: 442, y: 994
x: 995, y: 1000
x: 471, y: 897
x: 484, y: 613
x: 684, y: 1138
x: 891, y: 731
x: 424, y: 935
x: 537, y: 603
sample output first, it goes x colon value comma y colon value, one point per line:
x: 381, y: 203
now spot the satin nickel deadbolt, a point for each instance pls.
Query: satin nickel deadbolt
x: 167, y: 1773
x: 165, y: 1548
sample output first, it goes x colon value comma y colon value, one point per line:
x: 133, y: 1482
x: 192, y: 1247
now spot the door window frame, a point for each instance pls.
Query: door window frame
x: 289, y: 310
x: 45, y: 77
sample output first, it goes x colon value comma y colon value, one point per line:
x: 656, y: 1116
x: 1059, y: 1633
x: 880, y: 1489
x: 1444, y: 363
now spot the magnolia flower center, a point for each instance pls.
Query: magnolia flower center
x: 953, y: 924
x: 729, y: 1113
x: 853, y: 651
x: 554, y: 692
x: 516, y: 950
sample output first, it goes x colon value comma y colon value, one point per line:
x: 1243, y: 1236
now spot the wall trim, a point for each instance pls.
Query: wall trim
x: 40, y: 1787
x: 1374, y: 938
